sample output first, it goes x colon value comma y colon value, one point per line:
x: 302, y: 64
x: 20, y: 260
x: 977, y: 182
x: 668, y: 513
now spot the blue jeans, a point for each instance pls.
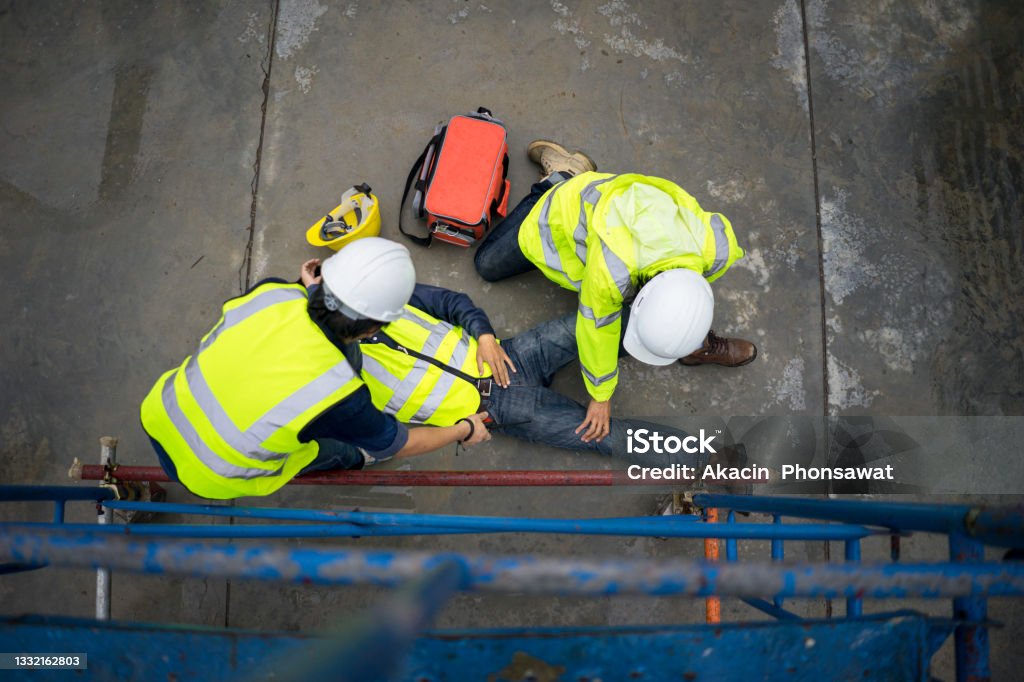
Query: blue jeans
x: 334, y: 454
x: 530, y: 410
x: 499, y: 255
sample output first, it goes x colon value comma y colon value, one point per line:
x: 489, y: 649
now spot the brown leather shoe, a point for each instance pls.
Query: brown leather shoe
x: 721, y: 351
x: 553, y: 157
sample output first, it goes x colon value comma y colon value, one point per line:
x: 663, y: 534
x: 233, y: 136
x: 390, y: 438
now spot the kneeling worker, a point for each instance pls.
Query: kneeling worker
x: 618, y: 240
x: 272, y: 392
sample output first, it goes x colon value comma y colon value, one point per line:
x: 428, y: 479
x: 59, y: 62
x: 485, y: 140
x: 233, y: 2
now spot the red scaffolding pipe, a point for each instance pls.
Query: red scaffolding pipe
x: 94, y: 472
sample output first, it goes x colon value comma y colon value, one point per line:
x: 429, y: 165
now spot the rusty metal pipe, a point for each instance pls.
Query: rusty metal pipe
x: 92, y: 472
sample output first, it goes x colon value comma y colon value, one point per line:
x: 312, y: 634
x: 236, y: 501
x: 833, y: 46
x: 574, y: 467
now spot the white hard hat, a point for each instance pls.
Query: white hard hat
x: 670, y: 317
x: 370, y: 278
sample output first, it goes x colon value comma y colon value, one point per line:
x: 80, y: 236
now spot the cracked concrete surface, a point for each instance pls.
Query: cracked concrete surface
x: 170, y: 154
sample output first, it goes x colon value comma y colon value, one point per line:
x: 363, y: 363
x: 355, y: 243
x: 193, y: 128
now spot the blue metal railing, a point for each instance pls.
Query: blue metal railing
x: 160, y: 548
x: 969, y: 529
x: 518, y: 574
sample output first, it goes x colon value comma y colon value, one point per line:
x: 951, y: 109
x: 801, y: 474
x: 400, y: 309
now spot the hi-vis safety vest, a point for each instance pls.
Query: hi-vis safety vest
x: 604, y: 235
x: 229, y: 417
x: 414, y: 390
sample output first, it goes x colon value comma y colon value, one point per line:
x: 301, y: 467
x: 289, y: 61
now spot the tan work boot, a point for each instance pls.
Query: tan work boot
x: 721, y: 351
x: 553, y: 157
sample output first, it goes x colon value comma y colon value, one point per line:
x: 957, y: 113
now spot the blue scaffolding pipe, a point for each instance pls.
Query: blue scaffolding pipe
x: 776, y: 612
x: 1001, y: 526
x: 778, y: 554
x: 854, y: 606
x: 249, y: 532
x: 364, y: 522
x: 59, y: 495
x: 778, y: 549
x: 508, y: 574
x: 971, y: 636
x: 641, y: 528
x: 731, y: 550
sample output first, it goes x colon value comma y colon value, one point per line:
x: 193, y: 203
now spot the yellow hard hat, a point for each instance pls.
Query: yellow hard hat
x: 357, y: 216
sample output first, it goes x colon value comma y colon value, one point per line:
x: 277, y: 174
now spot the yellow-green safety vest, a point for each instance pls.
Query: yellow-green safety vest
x: 603, y: 236
x: 229, y: 417
x: 414, y: 390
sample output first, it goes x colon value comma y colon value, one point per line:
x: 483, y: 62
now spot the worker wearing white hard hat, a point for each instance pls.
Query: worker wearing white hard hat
x: 670, y: 318
x: 370, y: 279
x: 614, y: 239
x: 271, y: 391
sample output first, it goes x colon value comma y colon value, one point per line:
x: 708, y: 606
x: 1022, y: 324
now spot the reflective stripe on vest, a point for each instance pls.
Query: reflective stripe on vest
x: 588, y: 312
x: 589, y: 195
x: 403, y: 389
x: 596, y: 380
x: 547, y: 240
x: 188, y: 432
x: 250, y: 442
x: 448, y: 393
x: 721, y: 245
x: 619, y: 271
x: 239, y: 314
x: 716, y: 254
x: 616, y: 266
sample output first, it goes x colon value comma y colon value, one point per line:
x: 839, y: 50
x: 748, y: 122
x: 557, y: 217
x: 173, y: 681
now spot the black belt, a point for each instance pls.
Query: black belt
x: 485, y: 387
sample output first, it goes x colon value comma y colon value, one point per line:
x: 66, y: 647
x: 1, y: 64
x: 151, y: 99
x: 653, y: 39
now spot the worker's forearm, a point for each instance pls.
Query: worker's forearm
x: 423, y: 439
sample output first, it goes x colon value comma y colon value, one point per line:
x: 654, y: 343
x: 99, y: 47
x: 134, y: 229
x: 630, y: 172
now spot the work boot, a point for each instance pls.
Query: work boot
x: 721, y: 351
x: 553, y: 157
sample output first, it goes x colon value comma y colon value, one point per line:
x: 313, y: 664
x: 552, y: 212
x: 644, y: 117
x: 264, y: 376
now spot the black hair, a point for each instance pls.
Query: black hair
x: 344, y: 328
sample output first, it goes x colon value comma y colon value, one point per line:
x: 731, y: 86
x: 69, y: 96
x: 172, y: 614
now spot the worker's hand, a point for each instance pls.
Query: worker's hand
x: 480, y: 432
x: 307, y: 275
x: 490, y: 351
x: 598, y: 421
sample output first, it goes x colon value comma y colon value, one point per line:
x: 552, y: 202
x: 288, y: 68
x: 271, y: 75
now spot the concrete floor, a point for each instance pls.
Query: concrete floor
x: 156, y: 158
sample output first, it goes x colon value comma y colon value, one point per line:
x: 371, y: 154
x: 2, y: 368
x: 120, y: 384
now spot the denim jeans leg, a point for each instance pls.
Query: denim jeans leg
x: 548, y: 347
x: 334, y: 454
x: 541, y: 415
x: 543, y: 350
x: 499, y: 255
x: 165, y: 460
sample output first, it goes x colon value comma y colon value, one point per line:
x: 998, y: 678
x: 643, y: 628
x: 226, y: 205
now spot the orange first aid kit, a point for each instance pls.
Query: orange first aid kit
x: 461, y: 180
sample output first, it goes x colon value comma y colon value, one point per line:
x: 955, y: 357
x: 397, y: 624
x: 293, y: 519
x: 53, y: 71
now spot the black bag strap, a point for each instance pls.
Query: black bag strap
x: 504, y: 176
x: 422, y: 241
x: 381, y: 337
